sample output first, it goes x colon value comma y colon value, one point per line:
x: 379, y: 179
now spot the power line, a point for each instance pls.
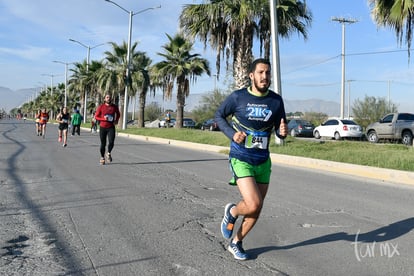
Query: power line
x: 314, y: 64
x: 379, y: 52
x: 353, y: 54
x: 313, y: 84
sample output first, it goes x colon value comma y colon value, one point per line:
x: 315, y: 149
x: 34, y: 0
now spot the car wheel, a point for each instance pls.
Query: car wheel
x: 316, y: 135
x: 211, y: 128
x: 407, y: 138
x: 293, y: 133
x: 203, y: 128
x: 372, y: 137
x: 337, y: 136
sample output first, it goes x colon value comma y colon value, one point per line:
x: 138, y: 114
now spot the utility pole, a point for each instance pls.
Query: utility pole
x: 129, y: 66
x: 343, y: 21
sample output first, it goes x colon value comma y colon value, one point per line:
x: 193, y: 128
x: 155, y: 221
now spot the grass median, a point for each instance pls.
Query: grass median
x: 382, y: 155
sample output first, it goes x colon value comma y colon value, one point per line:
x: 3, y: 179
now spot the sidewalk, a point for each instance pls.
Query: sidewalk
x: 383, y: 175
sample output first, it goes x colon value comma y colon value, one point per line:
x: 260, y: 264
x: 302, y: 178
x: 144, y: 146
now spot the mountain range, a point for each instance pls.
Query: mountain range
x: 14, y: 98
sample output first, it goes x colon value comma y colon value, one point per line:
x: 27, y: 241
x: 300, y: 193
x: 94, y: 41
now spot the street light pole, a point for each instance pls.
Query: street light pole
x: 89, y: 48
x: 128, y: 72
x: 275, y: 56
x: 389, y: 97
x: 66, y: 79
x: 128, y: 69
x: 275, y: 47
x: 51, y: 81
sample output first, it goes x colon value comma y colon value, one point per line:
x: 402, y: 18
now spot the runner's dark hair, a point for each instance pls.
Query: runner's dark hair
x: 257, y: 61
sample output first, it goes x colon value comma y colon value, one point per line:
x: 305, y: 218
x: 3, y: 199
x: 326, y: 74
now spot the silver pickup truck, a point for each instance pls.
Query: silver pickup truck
x: 393, y: 126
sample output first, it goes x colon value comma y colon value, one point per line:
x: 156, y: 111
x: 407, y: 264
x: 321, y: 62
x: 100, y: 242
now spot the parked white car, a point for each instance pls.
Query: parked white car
x: 338, y: 129
x: 163, y: 123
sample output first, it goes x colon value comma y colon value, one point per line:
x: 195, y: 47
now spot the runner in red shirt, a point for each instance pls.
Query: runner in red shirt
x: 43, y: 119
x: 108, y: 115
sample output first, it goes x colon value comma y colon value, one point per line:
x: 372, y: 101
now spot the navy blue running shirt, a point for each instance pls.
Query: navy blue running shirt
x: 257, y: 116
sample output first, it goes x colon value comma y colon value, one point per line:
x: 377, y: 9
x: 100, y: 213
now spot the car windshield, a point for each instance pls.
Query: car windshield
x: 305, y: 123
x: 348, y: 122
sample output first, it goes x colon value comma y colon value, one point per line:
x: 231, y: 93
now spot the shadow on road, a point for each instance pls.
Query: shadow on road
x: 383, y: 234
x: 170, y: 161
x: 12, y: 173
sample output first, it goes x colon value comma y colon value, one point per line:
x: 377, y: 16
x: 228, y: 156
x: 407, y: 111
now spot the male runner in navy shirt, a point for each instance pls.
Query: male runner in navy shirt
x: 256, y: 112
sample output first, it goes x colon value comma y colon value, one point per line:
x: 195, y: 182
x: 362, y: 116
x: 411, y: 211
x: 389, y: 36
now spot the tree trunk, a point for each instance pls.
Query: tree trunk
x: 243, y: 57
x: 141, y: 110
x: 97, y: 101
x: 180, y: 108
x: 180, y: 111
x: 82, y: 102
x: 121, y: 109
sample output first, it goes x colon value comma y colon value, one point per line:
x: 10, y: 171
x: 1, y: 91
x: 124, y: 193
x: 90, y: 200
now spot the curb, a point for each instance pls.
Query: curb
x: 384, y: 175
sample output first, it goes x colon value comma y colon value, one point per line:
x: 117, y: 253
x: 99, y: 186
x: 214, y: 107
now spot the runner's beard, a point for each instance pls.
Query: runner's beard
x: 260, y: 88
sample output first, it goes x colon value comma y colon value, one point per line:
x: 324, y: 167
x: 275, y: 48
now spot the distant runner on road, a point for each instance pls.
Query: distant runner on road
x: 43, y: 119
x: 108, y: 115
x: 63, y: 119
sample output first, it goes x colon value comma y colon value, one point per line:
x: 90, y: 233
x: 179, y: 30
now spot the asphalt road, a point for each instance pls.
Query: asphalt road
x: 157, y: 208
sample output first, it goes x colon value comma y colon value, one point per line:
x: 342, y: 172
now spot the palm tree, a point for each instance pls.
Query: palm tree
x: 61, y: 94
x: 78, y: 83
x: 113, y: 79
x: 55, y: 102
x: 397, y: 14
x: 48, y: 101
x: 230, y: 27
x: 141, y: 81
x: 95, y: 67
x: 180, y: 67
x: 84, y: 78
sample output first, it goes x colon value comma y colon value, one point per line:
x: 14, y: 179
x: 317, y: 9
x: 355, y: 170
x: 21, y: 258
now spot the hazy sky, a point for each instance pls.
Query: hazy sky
x: 34, y: 33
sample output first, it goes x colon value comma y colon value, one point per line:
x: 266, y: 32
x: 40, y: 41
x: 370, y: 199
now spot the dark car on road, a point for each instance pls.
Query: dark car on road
x: 210, y: 125
x: 299, y: 127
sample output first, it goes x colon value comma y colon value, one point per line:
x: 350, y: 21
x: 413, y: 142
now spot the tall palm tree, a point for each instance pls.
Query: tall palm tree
x: 180, y: 67
x: 113, y: 79
x: 60, y: 90
x: 397, y: 14
x: 55, y: 102
x: 141, y: 81
x: 78, y: 83
x: 230, y: 27
x: 84, y: 78
x: 49, y: 101
x: 95, y: 93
